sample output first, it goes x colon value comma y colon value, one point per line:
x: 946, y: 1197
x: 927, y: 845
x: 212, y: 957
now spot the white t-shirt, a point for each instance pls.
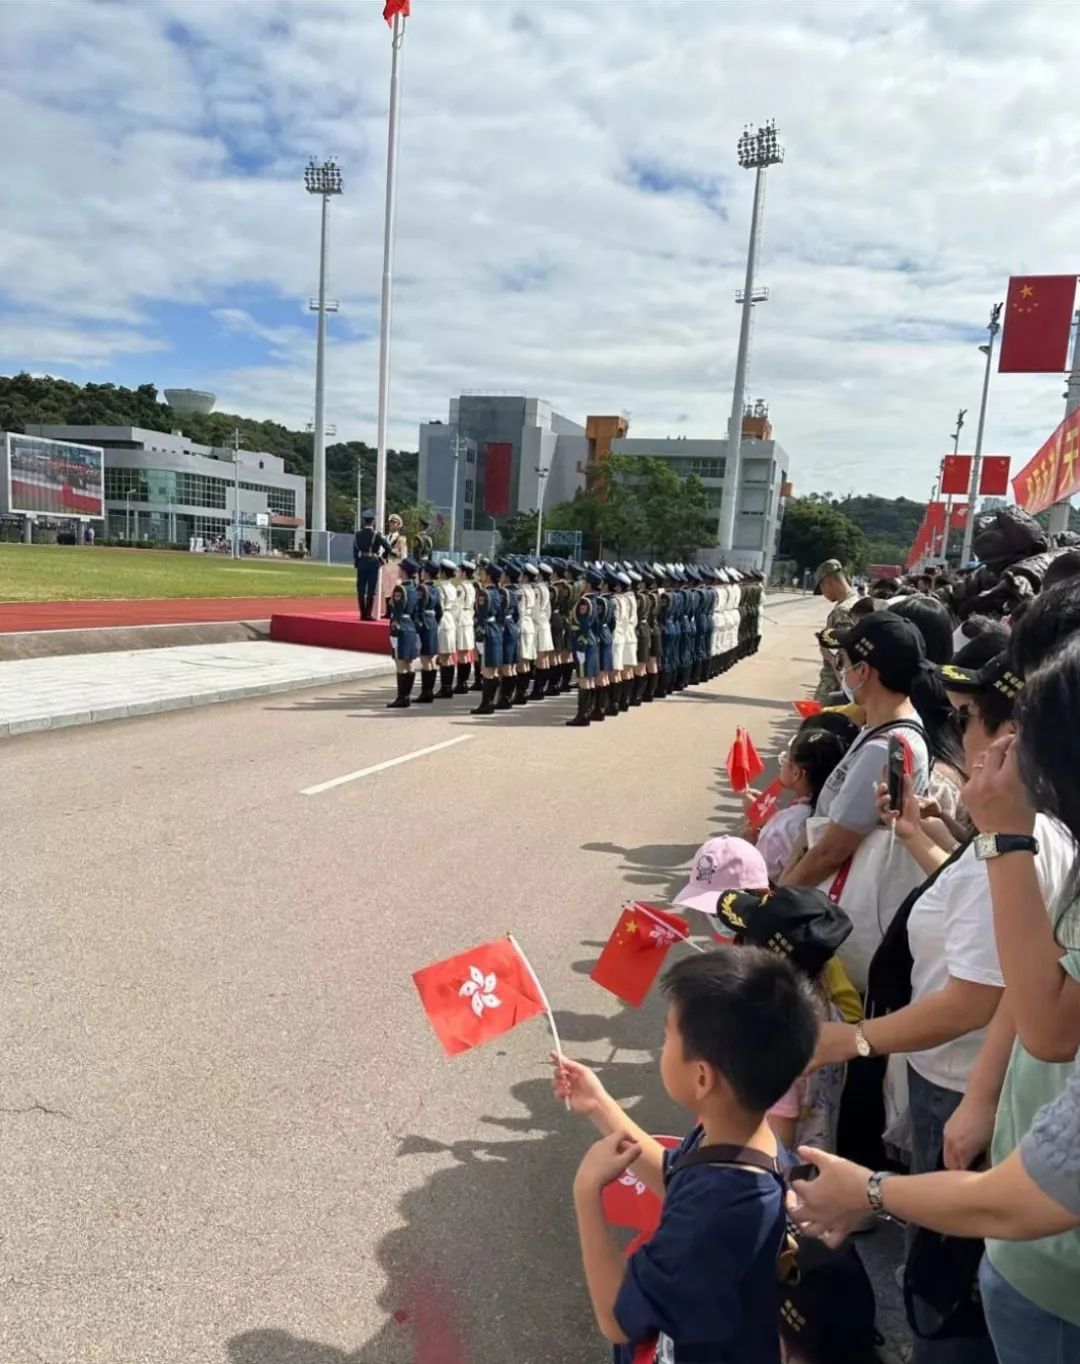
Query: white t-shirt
x: 951, y: 933
x: 778, y: 835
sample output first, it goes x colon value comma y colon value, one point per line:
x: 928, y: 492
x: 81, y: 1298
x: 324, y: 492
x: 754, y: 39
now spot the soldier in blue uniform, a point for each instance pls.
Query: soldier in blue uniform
x: 585, y: 642
x: 369, y: 553
x: 511, y: 616
x: 490, y: 614
x: 428, y: 610
x: 404, y: 640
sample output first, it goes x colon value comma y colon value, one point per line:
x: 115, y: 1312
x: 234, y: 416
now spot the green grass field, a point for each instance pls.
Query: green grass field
x: 67, y: 573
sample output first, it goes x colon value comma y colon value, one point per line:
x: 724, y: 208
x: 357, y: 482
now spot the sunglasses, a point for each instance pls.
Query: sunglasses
x: 964, y: 716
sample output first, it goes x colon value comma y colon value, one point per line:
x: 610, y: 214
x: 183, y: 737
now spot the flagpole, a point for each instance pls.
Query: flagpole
x: 992, y: 328
x: 543, y: 1000
x: 397, y: 43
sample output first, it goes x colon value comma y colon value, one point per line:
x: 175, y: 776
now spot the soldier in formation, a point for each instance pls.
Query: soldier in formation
x: 632, y: 633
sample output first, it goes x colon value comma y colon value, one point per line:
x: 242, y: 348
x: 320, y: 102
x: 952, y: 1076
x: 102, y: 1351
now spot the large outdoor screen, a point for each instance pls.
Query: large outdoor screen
x: 54, y: 478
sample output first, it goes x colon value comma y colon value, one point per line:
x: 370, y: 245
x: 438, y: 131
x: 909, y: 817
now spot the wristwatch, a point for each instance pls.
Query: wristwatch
x: 988, y: 846
x: 862, y: 1046
x: 873, y: 1192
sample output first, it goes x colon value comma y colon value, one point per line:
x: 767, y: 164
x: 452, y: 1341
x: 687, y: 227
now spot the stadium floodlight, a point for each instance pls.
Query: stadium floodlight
x: 757, y: 150
x: 324, y: 179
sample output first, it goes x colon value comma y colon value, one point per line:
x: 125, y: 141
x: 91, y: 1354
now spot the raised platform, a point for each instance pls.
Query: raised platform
x: 331, y: 630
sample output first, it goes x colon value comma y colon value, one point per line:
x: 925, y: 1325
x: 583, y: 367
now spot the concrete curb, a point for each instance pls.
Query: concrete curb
x: 67, y: 720
x: 112, y: 639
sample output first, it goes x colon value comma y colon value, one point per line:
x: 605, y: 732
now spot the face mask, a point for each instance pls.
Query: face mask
x: 846, y: 688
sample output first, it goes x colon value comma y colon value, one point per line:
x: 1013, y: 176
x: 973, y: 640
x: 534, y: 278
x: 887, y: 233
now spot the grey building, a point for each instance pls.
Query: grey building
x: 764, y: 471
x: 163, y: 487
x: 507, y: 446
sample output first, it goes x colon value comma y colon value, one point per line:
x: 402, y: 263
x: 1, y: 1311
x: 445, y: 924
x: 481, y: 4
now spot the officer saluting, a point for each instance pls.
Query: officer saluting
x: 369, y: 552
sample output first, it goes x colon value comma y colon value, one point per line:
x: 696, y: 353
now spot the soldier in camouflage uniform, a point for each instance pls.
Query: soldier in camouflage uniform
x: 831, y: 582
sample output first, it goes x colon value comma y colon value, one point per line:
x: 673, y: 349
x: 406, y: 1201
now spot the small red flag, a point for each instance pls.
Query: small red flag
x: 633, y: 955
x: 762, y: 809
x: 956, y: 476
x: 807, y: 708
x: 1038, y: 317
x: 743, y: 763
x: 994, y: 475
x: 478, y: 995
x: 630, y: 1203
x: 393, y: 7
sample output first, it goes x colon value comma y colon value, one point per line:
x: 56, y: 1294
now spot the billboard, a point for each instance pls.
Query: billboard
x: 54, y: 477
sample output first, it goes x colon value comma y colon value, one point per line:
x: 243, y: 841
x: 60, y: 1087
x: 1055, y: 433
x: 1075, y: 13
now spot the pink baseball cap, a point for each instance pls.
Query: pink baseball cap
x: 722, y: 864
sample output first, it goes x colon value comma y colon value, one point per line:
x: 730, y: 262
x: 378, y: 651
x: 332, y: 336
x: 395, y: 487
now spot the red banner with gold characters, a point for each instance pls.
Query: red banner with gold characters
x: 1053, y: 472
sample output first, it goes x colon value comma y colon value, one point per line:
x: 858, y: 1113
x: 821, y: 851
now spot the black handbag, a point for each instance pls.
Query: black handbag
x: 941, y: 1285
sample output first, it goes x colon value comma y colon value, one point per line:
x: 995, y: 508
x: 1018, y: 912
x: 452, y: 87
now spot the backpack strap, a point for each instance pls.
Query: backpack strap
x: 723, y: 1154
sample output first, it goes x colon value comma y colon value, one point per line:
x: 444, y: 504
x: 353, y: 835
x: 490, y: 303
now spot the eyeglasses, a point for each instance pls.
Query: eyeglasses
x: 964, y: 716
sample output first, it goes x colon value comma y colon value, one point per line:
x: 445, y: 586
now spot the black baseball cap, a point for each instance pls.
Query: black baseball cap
x: 888, y: 642
x: 997, y: 675
x: 797, y: 922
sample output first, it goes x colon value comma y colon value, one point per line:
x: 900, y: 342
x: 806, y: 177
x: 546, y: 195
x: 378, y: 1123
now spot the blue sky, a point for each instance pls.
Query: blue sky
x: 572, y: 219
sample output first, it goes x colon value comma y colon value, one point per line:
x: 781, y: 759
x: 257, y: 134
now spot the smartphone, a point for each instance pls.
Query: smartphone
x: 896, y: 767
x: 807, y: 1172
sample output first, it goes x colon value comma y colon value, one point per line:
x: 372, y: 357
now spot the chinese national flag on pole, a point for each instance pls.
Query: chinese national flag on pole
x: 478, y: 995
x: 956, y: 476
x: 393, y: 7
x: 1038, y: 316
x: 994, y: 475
x: 762, y: 808
x: 743, y: 763
x: 633, y: 955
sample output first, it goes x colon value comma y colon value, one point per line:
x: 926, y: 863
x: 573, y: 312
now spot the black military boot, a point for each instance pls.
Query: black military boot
x: 540, y: 682
x: 404, y: 686
x: 638, y: 694
x: 584, y: 706
x: 446, y: 676
x: 554, y: 679
x: 521, y: 688
x: 624, y: 695
x: 613, y: 693
x: 599, y: 695
x: 427, y: 688
x: 463, y: 670
x: 478, y: 675
x: 487, y: 704
x: 506, y: 691
x: 651, y: 682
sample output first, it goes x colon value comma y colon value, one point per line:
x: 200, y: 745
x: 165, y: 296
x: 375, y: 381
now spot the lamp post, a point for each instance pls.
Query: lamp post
x: 1059, y: 512
x: 324, y: 179
x: 455, y: 450
x: 236, y: 493
x: 542, y: 477
x: 992, y: 329
x: 955, y: 438
x: 757, y: 151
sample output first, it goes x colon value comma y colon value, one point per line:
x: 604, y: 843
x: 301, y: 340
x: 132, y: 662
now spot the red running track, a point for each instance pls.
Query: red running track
x: 20, y: 617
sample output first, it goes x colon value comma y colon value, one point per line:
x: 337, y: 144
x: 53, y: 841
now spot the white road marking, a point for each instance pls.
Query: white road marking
x: 381, y: 767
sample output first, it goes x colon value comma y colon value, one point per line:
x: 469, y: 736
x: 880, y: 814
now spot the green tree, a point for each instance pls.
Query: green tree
x: 517, y: 534
x: 814, y: 530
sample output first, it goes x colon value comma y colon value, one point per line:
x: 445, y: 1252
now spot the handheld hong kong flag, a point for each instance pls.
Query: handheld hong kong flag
x: 393, y: 7
x: 807, y: 708
x: 761, y: 809
x: 633, y: 955
x: 478, y: 995
x: 629, y: 1203
x: 1038, y: 317
x: 743, y: 763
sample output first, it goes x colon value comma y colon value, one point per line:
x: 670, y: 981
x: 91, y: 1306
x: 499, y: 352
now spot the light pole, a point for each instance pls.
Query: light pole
x: 992, y: 329
x: 236, y: 493
x: 542, y: 476
x: 456, y: 449
x: 757, y: 151
x: 955, y: 438
x: 324, y: 179
x: 1059, y: 512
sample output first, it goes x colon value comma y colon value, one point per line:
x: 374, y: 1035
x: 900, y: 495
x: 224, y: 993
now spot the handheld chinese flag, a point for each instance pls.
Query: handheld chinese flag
x: 1038, y: 316
x: 478, y: 995
x: 994, y: 475
x: 762, y: 808
x: 393, y: 7
x: 633, y: 955
x: 807, y: 708
x: 743, y: 763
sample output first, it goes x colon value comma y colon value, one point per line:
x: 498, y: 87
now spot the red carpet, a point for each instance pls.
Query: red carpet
x: 96, y: 615
x: 331, y: 630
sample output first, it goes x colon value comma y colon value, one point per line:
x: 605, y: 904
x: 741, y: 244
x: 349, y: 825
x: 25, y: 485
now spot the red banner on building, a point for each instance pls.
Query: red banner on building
x: 497, y: 458
x: 956, y: 476
x: 1051, y: 475
x: 994, y: 475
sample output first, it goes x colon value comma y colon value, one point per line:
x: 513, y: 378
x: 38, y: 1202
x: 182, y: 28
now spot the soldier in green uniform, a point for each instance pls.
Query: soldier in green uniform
x: 830, y: 582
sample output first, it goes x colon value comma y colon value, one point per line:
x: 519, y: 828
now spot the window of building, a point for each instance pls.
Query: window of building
x: 469, y: 488
x: 280, y: 500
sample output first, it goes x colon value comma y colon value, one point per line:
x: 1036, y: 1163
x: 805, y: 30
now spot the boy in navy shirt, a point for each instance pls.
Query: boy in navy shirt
x: 741, y: 1027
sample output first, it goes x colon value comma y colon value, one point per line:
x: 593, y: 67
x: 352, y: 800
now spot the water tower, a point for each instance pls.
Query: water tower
x: 190, y: 400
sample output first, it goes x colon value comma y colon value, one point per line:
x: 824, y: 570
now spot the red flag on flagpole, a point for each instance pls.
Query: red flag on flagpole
x: 478, y: 995
x: 393, y: 7
x: 1038, y: 317
x: 994, y: 475
x: 807, y: 708
x: 956, y: 476
x: 633, y: 955
x: 743, y: 763
x: 762, y: 808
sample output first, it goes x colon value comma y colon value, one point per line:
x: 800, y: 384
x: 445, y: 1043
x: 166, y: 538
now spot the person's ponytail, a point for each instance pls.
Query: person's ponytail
x: 927, y: 695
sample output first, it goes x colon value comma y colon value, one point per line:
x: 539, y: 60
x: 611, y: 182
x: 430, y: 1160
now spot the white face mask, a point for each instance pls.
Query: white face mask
x: 845, y: 687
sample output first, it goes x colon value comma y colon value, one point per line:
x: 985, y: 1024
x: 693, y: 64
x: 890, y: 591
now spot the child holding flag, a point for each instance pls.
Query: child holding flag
x: 740, y: 1029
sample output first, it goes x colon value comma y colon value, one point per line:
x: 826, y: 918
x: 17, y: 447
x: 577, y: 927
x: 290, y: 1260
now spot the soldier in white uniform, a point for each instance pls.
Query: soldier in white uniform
x: 390, y: 573
x: 466, y: 631
x: 544, y: 644
x: 449, y: 625
x: 526, y: 631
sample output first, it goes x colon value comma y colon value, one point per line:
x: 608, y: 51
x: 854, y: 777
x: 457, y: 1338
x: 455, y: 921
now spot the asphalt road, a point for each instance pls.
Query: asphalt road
x: 227, y: 1133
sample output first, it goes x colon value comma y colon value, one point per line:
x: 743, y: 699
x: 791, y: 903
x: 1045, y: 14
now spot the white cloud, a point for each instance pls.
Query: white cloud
x: 156, y: 149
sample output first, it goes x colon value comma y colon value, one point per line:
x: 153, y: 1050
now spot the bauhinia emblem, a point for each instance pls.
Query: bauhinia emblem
x: 480, y: 991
